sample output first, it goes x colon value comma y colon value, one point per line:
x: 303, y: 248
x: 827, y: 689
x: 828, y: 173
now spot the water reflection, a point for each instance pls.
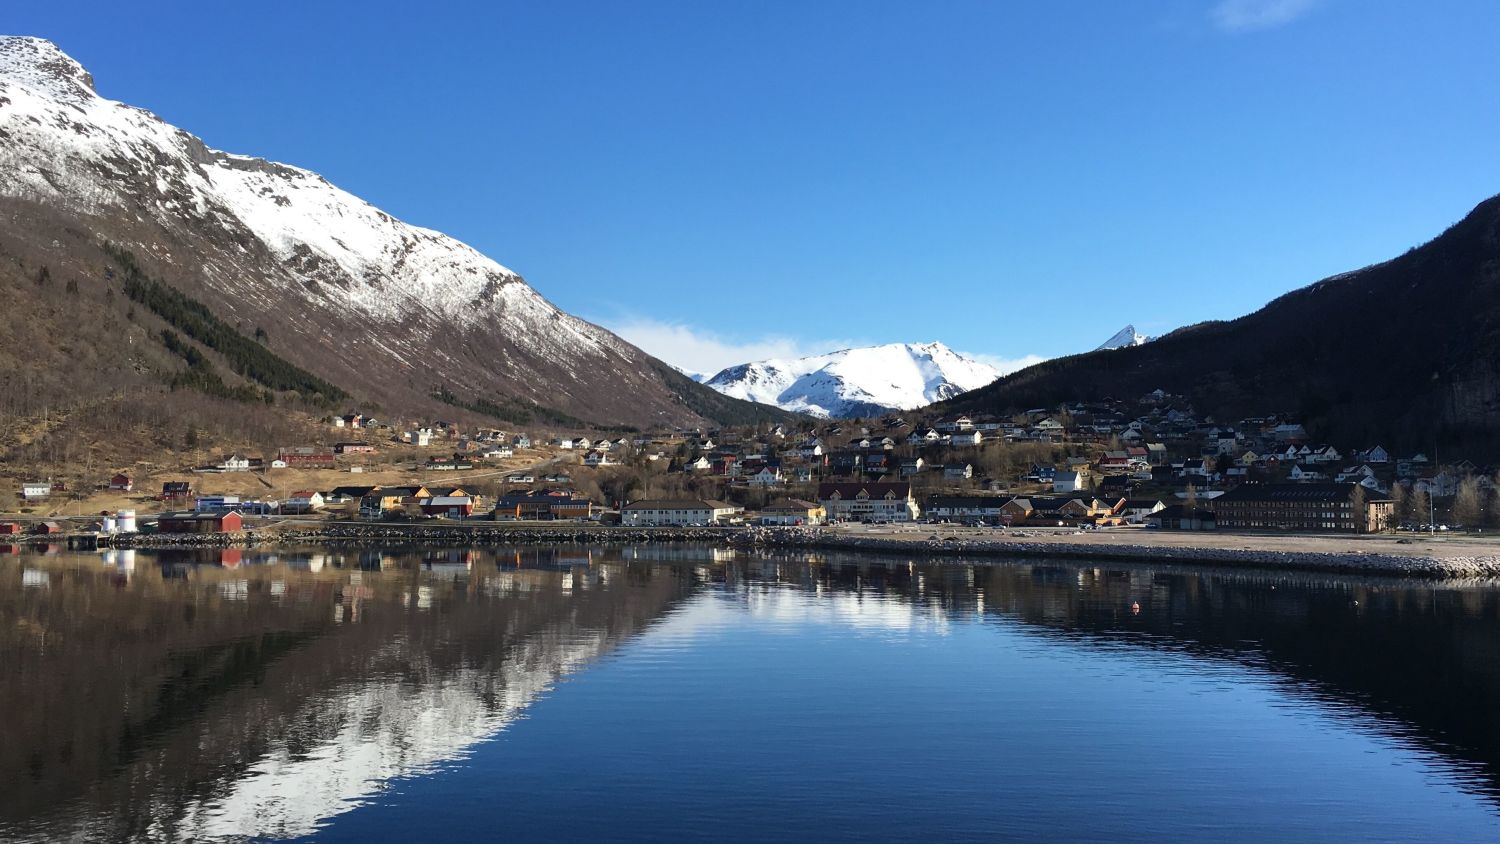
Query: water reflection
x: 193, y: 694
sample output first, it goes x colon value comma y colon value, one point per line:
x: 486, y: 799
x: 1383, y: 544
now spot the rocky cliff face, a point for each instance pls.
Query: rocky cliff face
x: 387, y: 310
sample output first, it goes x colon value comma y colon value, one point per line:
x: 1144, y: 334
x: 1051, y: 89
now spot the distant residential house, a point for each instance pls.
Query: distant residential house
x: 1376, y: 455
x: 303, y: 501
x: 1041, y: 474
x: 496, y: 452
x: 1069, y: 481
x: 924, y: 436
x: 520, y: 478
x: 1304, y: 474
x: 176, y: 490
x: 908, y: 468
x: 1137, y: 509
x: 521, y: 441
x: 234, y: 463
x: 958, y: 471
x: 121, y: 483
x: 702, y: 464
x: 599, y: 457
x: 353, y: 448
x: 966, y: 438
x: 768, y: 476
x: 36, y: 490
x: 1195, y: 468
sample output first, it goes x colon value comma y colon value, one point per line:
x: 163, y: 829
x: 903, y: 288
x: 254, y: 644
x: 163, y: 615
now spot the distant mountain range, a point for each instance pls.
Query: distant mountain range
x: 865, y: 381
x: 224, y: 259
x: 1405, y: 354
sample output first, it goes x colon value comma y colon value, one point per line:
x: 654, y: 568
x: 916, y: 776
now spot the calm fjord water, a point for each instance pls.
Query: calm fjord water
x: 678, y: 693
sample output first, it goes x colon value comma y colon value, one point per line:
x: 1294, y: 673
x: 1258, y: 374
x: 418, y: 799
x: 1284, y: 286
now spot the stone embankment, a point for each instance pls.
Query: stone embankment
x: 1348, y: 562
x: 336, y: 533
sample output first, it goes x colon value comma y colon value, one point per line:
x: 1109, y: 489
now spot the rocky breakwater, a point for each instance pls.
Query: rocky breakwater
x: 344, y: 533
x: 1351, y: 561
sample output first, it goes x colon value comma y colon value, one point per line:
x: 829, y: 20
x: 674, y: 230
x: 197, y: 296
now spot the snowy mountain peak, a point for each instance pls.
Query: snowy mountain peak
x: 857, y: 382
x: 1124, y: 338
x: 274, y: 244
x: 43, y: 67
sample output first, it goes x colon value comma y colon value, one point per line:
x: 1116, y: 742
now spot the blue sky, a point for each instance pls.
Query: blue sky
x: 729, y: 180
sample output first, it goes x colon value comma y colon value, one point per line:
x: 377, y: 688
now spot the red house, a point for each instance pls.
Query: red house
x: 122, y: 483
x: 308, y: 458
x: 49, y: 528
x: 230, y: 522
x: 9, y: 528
x: 448, y: 506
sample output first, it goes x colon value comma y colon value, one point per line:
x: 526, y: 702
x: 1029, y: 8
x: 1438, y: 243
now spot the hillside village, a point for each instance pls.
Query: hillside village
x: 1152, y: 461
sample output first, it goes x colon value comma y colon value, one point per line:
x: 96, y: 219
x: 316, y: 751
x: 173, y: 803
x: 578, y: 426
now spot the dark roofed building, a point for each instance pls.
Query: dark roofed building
x: 1313, y: 508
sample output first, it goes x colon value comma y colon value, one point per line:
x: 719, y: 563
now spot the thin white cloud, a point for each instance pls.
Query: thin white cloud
x: 695, y: 350
x: 1004, y: 365
x: 1253, y: 15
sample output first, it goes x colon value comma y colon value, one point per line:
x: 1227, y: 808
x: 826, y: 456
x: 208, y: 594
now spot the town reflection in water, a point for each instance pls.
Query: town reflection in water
x: 222, y: 694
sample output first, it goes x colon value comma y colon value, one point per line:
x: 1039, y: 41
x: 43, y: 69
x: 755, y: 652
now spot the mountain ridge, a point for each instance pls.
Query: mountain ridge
x: 389, y: 310
x: 861, y: 381
x: 1404, y: 353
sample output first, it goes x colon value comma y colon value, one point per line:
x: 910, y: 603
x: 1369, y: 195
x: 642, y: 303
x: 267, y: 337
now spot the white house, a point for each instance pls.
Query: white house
x: 303, y: 501
x: 702, y: 464
x: 599, y: 457
x: 969, y: 438
x: 1068, y: 481
x: 36, y: 491
x: 676, y: 512
x: 234, y: 463
x: 768, y: 476
x: 958, y: 471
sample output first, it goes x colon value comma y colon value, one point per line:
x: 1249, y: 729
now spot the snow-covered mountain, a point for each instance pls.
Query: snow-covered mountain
x: 1126, y: 336
x: 385, y: 309
x: 857, y: 382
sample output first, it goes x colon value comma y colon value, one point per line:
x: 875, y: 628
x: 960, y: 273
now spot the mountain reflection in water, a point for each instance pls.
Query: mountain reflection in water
x: 193, y: 695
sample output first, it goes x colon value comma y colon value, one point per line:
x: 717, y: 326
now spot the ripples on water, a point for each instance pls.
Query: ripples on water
x: 687, y: 693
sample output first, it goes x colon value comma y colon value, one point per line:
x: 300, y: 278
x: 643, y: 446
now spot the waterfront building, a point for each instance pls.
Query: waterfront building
x: 1341, y: 508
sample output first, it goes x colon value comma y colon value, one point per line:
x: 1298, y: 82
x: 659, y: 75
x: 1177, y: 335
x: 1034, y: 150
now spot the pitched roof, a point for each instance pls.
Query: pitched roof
x: 674, y: 504
x: 874, y: 490
x: 1292, y: 492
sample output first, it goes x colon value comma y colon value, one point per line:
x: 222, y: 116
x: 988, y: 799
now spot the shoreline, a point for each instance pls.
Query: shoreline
x: 1313, y: 553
